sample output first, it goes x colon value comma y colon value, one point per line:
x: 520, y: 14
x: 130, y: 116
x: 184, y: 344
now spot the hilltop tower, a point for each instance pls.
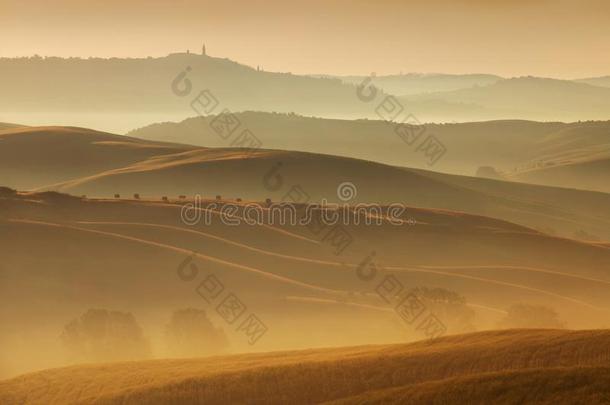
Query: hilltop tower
x: 203, y: 50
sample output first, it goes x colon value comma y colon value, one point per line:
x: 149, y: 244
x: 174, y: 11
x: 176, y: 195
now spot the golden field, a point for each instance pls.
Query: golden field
x: 512, y: 366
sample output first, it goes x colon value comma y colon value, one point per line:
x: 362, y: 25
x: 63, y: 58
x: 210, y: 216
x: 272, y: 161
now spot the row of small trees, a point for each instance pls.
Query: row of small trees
x: 103, y: 335
x: 137, y: 196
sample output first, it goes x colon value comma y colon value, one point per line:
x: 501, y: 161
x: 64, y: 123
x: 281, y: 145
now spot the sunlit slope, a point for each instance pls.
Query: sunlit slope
x: 111, y: 249
x: 504, y: 144
x: 591, y: 174
x: 32, y: 157
x: 519, y: 150
x: 572, y: 157
x: 6, y: 125
x: 86, y: 162
x: 561, y: 385
x: 234, y: 173
x: 453, y: 369
x: 84, y: 253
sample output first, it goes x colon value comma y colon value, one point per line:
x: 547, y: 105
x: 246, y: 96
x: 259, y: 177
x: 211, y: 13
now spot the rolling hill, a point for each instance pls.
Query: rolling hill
x: 508, y: 147
x: 33, y: 156
x: 530, y: 98
x: 571, y: 157
x: 417, y: 83
x: 603, y: 81
x: 5, y: 125
x: 85, y: 162
x: 492, y: 243
x: 126, y: 254
x: 589, y: 173
x: 144, y: 86
x: 272, y: 174
x: 126, y: 90
x: 501, y: 144
x: 514, y: 366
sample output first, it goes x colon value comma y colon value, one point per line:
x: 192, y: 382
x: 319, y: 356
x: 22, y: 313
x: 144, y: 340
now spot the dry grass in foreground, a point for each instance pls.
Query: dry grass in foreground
x: 513, y: 366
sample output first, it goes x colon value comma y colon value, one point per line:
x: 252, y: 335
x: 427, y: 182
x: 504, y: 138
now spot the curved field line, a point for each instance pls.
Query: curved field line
x: 507, y: 284
x: 270, y: 227
x: 302, y: 284
x: 487, y: 307
x: 219, y: 238
x: 339, y: 264
x: 523, y: 268
x: 423, y: 269
x: 186, y: 251
x: 330, y: 301
x: 376, y: 307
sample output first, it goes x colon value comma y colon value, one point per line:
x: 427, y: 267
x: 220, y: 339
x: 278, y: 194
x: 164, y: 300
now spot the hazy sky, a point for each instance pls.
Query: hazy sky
x: 561, y: 38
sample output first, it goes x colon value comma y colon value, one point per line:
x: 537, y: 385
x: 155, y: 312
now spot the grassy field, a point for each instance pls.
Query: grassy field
x: 513, y: 366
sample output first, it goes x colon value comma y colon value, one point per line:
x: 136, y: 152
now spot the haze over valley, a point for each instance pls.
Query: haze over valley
x: 304, y: 202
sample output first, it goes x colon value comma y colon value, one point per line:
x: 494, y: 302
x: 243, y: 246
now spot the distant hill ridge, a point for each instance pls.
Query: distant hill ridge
x: 512, y: 147
x: 144, y: 85
x: 81, y: 161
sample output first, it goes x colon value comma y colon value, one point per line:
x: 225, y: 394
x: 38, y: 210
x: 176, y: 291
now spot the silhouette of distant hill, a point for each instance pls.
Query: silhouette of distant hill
x: 5, y: 125
x: 510, y: 147
x: 603, y: 81
x: 415, y: 83
x: 526, y: 98
x: 81, y: 161
x: 143, y: 86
